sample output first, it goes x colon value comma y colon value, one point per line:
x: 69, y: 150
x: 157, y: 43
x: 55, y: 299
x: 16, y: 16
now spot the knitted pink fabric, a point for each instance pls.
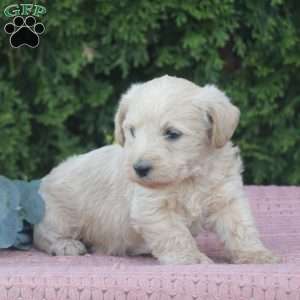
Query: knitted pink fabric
x: 34, y: 275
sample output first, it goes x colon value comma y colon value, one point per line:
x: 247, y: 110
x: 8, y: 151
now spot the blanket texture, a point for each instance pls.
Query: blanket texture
x: 34, y: 275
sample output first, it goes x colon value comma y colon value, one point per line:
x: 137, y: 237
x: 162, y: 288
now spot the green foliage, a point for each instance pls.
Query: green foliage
x: 59, y: 99
x: 21, y: 206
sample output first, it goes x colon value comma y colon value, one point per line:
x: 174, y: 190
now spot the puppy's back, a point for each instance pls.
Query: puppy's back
x: 87, y: 186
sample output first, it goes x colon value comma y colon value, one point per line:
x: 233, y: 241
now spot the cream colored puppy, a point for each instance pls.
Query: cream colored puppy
x: 173, y: 174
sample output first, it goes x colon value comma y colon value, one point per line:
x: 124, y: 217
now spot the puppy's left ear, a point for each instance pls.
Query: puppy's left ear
x: 223, y: 114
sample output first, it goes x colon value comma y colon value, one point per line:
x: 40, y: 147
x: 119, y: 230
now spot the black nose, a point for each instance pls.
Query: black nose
x: 142, y: 168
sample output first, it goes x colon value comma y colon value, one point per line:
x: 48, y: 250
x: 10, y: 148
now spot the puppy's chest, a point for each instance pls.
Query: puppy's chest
x: 190, y: 204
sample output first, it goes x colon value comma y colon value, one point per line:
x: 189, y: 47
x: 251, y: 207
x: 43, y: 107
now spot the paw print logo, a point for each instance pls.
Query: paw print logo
x: 24, y: 32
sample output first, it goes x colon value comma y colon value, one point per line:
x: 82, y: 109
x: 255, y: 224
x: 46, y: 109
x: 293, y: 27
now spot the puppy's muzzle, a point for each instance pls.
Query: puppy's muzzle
x: 142, y: 168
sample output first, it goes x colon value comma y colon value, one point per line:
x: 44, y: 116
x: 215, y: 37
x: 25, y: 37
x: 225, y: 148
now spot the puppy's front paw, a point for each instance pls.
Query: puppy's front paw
x: 67, y: 248
x: 256, y: 257
x: 188, y: 259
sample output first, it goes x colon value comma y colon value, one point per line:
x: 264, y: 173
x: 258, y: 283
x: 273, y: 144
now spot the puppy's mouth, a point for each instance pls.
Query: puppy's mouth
x: 148, y: 182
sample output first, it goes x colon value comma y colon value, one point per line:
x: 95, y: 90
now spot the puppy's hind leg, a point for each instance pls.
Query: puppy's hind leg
x: 56, y: 244
x: 58, y: 233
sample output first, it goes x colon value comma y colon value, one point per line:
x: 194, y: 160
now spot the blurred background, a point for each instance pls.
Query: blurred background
x: 59, y: 99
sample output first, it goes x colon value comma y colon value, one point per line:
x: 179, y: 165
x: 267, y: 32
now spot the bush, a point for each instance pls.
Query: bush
x: 59, y: 99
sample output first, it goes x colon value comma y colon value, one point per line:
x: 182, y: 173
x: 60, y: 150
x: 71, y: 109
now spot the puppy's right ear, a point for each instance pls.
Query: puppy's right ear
x: 119, y: 119
x: 122, y: 112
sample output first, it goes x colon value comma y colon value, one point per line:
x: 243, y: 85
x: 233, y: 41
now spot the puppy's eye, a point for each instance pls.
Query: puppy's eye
x: 172, y: 134
x: 132, y: 131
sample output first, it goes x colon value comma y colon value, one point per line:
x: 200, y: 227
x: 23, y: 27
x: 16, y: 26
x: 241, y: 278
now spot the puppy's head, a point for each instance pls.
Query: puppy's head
x: 169, y: 127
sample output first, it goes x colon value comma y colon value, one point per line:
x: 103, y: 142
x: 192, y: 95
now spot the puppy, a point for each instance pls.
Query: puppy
x: 174, y: 173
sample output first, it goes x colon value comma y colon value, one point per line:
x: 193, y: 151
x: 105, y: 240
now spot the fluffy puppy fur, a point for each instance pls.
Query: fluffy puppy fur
x: 174, y: 173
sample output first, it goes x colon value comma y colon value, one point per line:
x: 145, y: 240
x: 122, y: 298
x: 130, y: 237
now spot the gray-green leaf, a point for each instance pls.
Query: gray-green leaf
x: 8, y: 229
x: 23, y: 241
x: 33, y: 206
x: 9, y: 197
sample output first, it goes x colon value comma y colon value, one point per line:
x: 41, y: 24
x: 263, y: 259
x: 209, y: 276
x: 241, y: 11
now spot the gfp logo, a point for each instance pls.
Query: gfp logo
x: 24, y: 30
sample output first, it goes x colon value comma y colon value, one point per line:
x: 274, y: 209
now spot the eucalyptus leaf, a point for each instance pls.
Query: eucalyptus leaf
x: 24, y: 191
x: 8, y: 229
x: 4, y: 207
x: 23, y: 241
x: 23, y: 188
x: 33, y: 206
x: 35, y: 184
x: 21, y: 215
x: 9, y: 197
x: 21, y: 206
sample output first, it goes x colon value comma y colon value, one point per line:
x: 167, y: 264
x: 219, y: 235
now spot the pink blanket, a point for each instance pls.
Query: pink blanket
x: 34, y: 275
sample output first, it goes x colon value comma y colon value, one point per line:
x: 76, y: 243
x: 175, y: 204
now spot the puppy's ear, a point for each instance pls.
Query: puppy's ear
x: 119, y: 119
x: 121, y: 114
x: 223, y: 115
